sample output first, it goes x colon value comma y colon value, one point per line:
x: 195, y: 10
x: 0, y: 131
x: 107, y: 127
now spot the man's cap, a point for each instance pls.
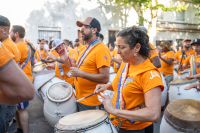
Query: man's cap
x: 77, y: 40
x: 4, y: 21
x: 46, y: 41
x: 166, y: 44
x: 195, y: 41
x: 90, y: 22
x: 56, y: 43
x: 143, y: 28
x: 187, y: 40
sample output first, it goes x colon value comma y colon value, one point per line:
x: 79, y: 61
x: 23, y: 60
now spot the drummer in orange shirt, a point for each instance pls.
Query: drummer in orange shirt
x: 17, y: 35
x: 183, y: 54
x: 62, y: 68
x: 78, y: 46
x: 92, y: 66
x: 194, y: 60
x: 40, y: 53
x: 137, y: 86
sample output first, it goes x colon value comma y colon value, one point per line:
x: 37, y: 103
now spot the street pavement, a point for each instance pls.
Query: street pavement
x: 38, y: 124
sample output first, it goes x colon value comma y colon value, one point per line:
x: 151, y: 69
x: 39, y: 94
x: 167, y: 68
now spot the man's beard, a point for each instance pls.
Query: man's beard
x: 13, y: 38
x: 187, y: 46
x: 87, y: 37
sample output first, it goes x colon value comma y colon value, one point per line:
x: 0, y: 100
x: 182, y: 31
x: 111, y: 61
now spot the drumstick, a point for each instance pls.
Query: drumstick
x: 71, y: 65
x: 86, y: 97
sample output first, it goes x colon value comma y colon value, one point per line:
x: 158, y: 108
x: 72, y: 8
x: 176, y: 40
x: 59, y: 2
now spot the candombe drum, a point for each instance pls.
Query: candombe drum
x: 181, y: 116
x: 164, y: 92
x: 60, y: 102
x: 185, y: 73
x: 41, y: 76
x: 91, y: 121
x: 176, y: 90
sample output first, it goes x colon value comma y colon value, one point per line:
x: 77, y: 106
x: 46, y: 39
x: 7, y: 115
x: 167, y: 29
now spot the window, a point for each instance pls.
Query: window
x: 46, y: 34
x: 180, y: 16
x: 112, y: 36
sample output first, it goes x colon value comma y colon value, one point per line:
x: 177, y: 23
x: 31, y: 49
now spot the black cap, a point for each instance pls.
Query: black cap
x: 77, y: 40
x: 195, y: 41
x: 4, y: 21
x: 90, y: 21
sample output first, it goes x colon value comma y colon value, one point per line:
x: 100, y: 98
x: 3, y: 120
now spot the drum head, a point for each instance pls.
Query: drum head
x: 183, y: 114
x: 81, y: 120
x: 59, y: 92
x: 183, y: 81
x: 38, y: 68
x: 38, y: 63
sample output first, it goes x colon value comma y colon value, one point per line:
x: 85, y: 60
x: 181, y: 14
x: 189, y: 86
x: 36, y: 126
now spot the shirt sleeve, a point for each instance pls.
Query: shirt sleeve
x: 5, y: 55
x: 73, y: 54
x: 171, y: 55
x: 103, y: 58
x: 176, y: 55
x: 187, y: 60
x: 150, y: 80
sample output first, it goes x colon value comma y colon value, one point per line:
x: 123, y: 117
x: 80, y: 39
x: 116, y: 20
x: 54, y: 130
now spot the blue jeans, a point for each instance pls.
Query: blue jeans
x: 7, y: 112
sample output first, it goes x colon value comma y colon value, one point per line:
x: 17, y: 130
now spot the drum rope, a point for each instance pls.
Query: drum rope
x: 119, y: 124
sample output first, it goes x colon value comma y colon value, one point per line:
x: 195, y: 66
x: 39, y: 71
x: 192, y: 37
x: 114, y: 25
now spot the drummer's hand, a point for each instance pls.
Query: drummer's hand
x: 64, y: 57
x: 193, y: 77
x: 53, y: 57
x: 49, y: 67
x: 108, y: 105
x: 75, y: 72
x: 100, y: 88
x: 195, y: 85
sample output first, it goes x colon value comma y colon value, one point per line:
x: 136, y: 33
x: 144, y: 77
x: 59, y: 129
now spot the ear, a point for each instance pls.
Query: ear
x: 137, y: 47
x: 94, y: 30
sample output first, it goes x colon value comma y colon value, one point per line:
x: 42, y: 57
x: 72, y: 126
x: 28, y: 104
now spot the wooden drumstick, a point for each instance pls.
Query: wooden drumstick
x: 85, y: 97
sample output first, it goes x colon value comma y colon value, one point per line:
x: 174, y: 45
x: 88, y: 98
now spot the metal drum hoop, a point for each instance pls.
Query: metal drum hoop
x: 186, y: 82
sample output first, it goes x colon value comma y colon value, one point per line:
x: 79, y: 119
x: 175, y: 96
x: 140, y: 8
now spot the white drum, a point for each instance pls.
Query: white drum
x: 60, y: 102
x: 91, y: 121
x: 176, y: 76
x: 176, y: 90
x: 164, y: 92
x: 185, y: 73
x: 181, y: 116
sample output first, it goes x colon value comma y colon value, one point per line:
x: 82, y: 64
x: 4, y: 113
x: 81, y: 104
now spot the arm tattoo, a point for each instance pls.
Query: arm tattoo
x: 5, y: 65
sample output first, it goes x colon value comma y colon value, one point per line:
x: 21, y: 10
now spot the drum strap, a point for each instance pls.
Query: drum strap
x: 23, y: 64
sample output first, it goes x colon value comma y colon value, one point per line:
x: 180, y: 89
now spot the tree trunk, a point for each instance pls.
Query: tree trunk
x: 139, y: 12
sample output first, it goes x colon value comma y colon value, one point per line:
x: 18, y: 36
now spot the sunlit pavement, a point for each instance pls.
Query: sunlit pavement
x: 38, y: 124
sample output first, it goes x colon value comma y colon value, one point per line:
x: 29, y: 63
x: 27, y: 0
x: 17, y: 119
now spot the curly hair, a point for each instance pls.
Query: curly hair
x: 133, y: 35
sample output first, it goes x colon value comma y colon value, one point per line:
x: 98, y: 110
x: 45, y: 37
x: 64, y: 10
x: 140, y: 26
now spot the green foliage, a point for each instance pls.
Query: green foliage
x: 197, y: 6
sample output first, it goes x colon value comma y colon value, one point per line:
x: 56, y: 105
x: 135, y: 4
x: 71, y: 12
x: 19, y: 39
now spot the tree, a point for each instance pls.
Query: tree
x: 197, y: 6
x: 152, y: 6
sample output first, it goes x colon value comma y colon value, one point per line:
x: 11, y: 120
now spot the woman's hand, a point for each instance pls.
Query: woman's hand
x: 108, y: 105
x: 101, y: 88
x: 194, y: 85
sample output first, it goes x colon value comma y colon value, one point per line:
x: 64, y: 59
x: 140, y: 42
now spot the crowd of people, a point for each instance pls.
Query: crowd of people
x: 137, y: 85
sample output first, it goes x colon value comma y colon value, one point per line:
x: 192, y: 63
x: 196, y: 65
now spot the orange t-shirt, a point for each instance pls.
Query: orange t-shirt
x: 10, y: 45
x: 153, y: 52
x: 197, y: 62
x: 117, y: 56
x: 178, y: 56
x: 97, y: 58
x: 72, y: 54
x: 78, y: 49
x: 42, y: 54
x: 5, y: 55
x: 167, y: 69
x: 23, y: 50
x: 54, y: 53
x: 141, y: 78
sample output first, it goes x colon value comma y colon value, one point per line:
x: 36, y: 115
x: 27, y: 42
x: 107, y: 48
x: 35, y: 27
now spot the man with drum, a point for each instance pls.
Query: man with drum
x: 11, y: 88
x: 193, y: 60
x: 62, y: 68
x: 17, y: 35
x: 92, y: 66
x: 183, y: 54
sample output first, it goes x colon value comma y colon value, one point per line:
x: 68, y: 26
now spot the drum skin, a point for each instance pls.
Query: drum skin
x: 176, y: 90
x: 185, y: 73
x: 90, y: 121
x: 54, y: 111
x: 164, y: 92
x: 181, y: 116
x: 40, y: 79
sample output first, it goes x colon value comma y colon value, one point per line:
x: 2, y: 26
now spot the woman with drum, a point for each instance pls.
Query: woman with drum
x: 137, y: 86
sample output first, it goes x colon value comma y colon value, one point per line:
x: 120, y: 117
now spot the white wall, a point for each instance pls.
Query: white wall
x: 64, y: 13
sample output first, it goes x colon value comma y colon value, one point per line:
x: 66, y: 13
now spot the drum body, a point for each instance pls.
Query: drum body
x: 91, y: 121
x: 164, y: 92
x: 176, y: 76
x: 41, y: 78
x: 185, y: 73
x: 176, y: 90
x: 59, y: 103
x: 181, y: 116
